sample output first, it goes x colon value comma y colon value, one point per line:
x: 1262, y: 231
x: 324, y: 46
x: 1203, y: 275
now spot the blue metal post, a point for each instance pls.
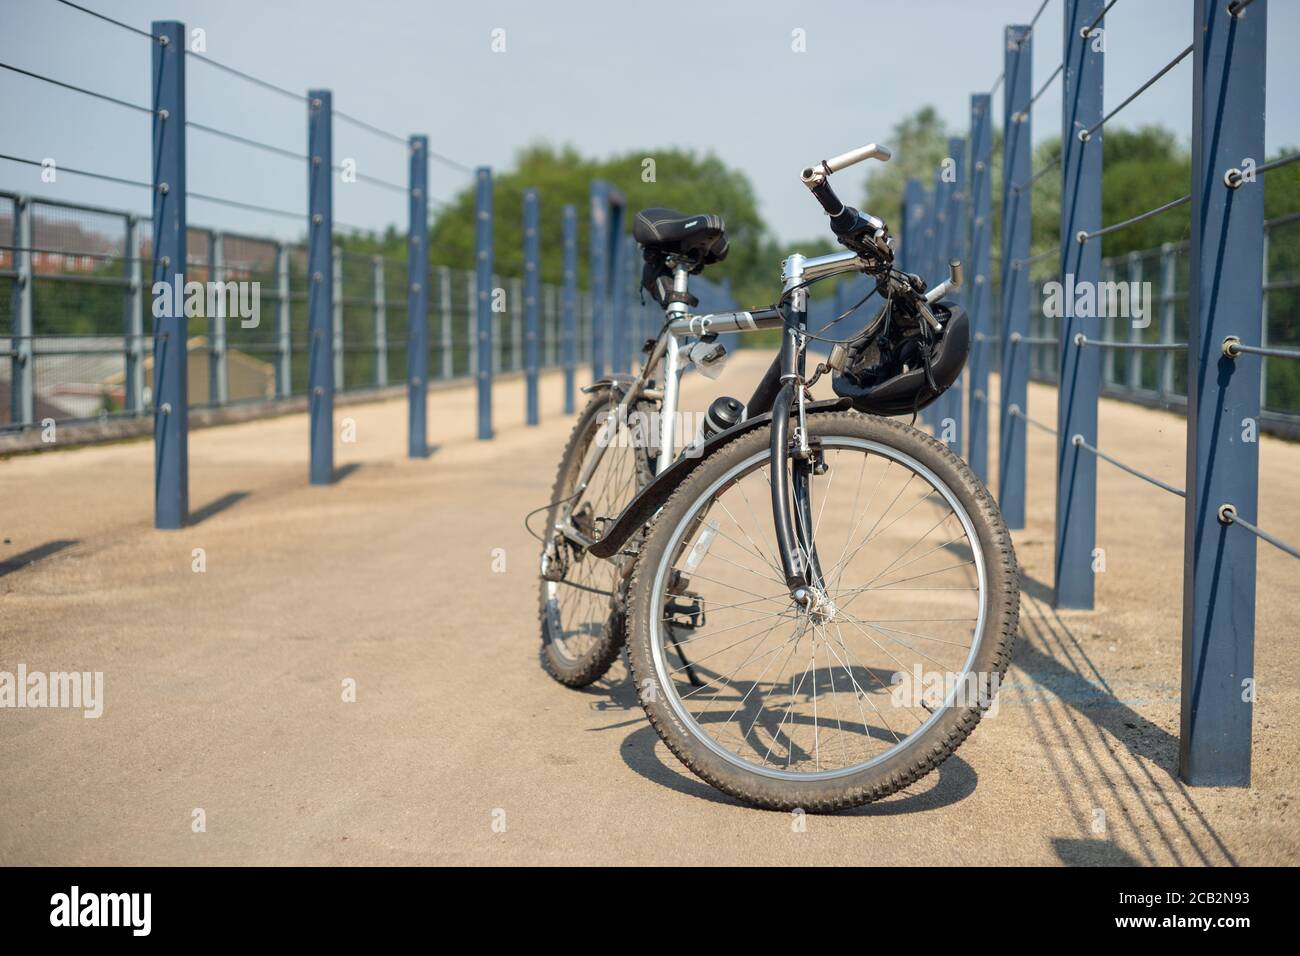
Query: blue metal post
x: 532, y: 300
x: 569, y: 307
x: 954, y: 240
x: 22, y: 406
x: 170, y: 356
x: 616, y: 333
x: 913, y: 224
x: 417, y: 300
x: 1015, y: 278
x: 616, y: 349
x: 599, y: 273
x: 918, y: 222
x: 133, y: 327
x: 320, y: 299
x: 929, y: 255
x: 483, y: 294
x: 1079, y: 368
x: 938, y: 247
x: 979, y: 290
x: 1227, y: 251
x: 626, y: 310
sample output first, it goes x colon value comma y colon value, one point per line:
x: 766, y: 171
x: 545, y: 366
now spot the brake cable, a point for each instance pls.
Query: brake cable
x: 781, y: 305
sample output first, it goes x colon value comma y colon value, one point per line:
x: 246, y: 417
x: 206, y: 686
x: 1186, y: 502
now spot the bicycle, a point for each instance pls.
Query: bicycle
x: 715, y: 603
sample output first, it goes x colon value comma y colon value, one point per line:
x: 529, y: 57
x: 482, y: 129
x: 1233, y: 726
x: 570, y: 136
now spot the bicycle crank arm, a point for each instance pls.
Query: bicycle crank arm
x: 567, y: 529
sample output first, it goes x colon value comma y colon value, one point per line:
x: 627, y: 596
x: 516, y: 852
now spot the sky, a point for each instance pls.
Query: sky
x: 606, y: 76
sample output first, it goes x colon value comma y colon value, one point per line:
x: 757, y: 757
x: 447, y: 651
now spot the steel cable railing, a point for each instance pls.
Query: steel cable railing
x: 393, y: 137
x: 237, y: 138
x: 78, y: 89
x: 1233, y: 348
x: 1041, y: 90
x: 1037, y: 257
x: 1082, y: 340
x: 1083, y: 236
x: 1086, y: 32
x: 79, y: 172
x: 1228, y: 515
x: 1234, y: 177
x: 107, y: 19
x: 1015, y: 412
x: 1227, y: 407
x: 247, y: 77
x: 1051, y: 164
x: 258, y: 81
x: 39, y: 345
x: 1086, y: 134
x: 1079, y: 441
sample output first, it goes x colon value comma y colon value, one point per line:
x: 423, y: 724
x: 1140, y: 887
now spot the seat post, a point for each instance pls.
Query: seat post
x: 668, y: 409
x: 681, y: 279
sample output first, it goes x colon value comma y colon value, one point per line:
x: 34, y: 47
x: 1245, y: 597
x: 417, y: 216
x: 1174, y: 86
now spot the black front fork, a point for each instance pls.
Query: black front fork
x: 794, y: 525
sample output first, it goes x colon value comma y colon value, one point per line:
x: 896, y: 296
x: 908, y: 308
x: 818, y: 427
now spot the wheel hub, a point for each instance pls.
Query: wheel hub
x: 816, y: 604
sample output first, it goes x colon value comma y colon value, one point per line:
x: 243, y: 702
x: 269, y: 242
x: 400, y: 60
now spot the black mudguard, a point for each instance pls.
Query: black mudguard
x: 618, y: 382
x: 652, y: 497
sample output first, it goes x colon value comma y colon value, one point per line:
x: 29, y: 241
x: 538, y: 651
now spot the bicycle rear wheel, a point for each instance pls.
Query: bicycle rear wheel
x: 870, y: 687
x: 581, y: 597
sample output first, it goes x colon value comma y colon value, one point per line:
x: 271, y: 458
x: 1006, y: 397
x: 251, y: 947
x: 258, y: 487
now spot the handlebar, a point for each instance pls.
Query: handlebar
x: 847, y: 222
x: 951, y: 284
x: 864, y: 233
x: 851, y: 158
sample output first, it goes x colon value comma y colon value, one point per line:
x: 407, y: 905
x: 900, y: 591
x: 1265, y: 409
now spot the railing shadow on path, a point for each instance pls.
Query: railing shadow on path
x: 33, y: 555
x: 1051, y: 655
x: 216, y: 506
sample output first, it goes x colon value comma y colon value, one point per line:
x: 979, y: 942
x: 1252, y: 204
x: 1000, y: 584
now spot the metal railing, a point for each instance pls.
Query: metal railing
x: 1146, y: 362
x: 1211, y: 329
x: 84, y: 340
x: 89, y: 353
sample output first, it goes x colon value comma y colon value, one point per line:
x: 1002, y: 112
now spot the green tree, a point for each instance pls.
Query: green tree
x: 682, y: 180
x: 919, y: 143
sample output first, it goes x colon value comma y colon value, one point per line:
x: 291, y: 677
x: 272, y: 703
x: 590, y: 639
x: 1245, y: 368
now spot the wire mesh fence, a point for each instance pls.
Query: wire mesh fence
x: 91, y: 311
x: 1143, y: 301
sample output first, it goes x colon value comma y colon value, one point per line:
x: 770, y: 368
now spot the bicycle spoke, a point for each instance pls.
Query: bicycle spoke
x: 783, y: 680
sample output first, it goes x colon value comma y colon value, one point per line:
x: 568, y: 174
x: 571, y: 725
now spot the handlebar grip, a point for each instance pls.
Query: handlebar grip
x: 853, y: 156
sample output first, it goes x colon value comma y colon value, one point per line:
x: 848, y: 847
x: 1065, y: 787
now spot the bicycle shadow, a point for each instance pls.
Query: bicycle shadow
x: 953, y: 781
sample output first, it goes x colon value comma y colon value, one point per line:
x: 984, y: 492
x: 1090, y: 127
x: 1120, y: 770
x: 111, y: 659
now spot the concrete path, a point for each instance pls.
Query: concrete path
x: 224, y: 690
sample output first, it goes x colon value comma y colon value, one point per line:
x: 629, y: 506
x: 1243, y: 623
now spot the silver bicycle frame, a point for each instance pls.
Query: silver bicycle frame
x: 680, y: 328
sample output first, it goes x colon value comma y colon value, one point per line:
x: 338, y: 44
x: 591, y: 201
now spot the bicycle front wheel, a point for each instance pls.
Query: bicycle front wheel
x: 857, y: 694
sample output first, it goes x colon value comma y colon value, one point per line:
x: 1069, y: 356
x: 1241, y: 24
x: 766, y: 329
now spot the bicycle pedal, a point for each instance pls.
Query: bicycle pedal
x: 688, y: 614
